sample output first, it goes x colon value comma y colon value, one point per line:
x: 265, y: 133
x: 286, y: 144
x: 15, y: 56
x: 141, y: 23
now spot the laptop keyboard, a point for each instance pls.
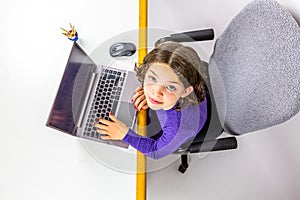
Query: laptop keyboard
x: 105, y: 100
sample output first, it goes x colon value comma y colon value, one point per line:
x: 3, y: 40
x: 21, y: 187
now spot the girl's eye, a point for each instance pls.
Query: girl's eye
x: 171, y: 88
x: 152, y: 79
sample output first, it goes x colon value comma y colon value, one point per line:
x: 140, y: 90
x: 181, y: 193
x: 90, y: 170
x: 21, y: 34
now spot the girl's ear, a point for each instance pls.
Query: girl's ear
x: 187, y: 91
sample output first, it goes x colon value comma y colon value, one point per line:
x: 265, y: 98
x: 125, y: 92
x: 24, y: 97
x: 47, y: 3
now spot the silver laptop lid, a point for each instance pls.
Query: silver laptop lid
x: 67, y: 104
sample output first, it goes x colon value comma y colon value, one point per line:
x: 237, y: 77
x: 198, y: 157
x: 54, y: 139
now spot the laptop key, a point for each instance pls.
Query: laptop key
x: 111, y: 76
x: 117, y: 81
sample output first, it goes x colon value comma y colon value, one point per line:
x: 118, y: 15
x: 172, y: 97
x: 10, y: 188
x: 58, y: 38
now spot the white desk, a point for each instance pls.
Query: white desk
x: 38, y: 162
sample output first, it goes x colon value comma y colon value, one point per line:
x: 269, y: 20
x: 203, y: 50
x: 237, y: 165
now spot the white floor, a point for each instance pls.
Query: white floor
x: 266, y: 163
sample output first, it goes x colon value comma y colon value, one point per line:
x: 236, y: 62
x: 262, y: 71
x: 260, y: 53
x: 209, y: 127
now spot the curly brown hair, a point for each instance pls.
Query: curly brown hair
x: 187, y: 65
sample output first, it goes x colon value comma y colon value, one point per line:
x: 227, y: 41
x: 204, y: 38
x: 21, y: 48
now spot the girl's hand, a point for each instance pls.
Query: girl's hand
x: 112, y: 130
x: 139, y: 99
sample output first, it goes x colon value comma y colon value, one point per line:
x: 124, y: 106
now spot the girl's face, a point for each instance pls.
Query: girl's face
x: 162, y: 87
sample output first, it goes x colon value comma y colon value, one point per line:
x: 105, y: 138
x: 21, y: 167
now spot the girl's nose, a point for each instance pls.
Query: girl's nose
x: 158, y: 90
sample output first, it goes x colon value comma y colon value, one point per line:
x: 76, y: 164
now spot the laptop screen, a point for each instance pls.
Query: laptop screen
x: 66, y: 106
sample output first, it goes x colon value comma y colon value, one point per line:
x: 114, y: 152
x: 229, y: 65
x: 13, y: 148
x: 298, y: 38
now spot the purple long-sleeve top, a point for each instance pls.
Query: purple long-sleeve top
x: 177, y: 127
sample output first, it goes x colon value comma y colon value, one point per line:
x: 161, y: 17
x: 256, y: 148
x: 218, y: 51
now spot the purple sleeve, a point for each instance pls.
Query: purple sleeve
x: 177, y: 128
x: 150, y: 147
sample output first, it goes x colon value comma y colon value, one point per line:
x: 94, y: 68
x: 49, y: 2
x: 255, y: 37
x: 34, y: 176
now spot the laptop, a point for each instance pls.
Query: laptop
x: 88, y: 92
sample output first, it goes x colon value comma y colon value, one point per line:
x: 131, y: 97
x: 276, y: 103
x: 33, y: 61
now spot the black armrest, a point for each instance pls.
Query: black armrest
x: 214, y: 145
x: 190, y: 36
x: 207, y: 146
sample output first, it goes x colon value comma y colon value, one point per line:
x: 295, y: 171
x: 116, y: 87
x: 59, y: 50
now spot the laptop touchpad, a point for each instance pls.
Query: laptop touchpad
x: 126, y: 113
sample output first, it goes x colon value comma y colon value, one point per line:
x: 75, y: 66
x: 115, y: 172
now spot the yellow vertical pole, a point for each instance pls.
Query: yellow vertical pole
x: 142, y: 115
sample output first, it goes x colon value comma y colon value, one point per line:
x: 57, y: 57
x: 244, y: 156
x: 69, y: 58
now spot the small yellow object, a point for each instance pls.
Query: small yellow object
x: 71, y: 34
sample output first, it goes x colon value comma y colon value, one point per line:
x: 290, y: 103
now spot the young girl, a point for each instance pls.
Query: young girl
x: 173, y: 81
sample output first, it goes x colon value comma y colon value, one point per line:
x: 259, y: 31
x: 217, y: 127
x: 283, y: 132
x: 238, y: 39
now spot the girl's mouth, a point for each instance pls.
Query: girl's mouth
x: 154, y: 101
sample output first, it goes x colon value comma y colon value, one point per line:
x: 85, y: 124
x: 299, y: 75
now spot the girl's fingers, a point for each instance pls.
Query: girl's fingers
x: 112, y: 117
x: 139, y: 100
x: 101, y: 126
x: 145, y: 107
x: 104, y: 124
x: 103, y: 130
x: 137, y: 95
x: 104, y: 121
x: 142, y: 104
x: 137, y: 92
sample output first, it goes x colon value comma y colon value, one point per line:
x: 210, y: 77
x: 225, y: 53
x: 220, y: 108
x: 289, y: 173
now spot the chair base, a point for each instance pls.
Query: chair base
x: 184, y: 163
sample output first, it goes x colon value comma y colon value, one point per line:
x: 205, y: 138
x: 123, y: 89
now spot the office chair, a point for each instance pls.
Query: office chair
x: 254, y: 76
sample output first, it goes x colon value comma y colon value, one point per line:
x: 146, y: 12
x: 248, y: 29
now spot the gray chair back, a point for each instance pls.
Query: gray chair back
x: 255, y: 68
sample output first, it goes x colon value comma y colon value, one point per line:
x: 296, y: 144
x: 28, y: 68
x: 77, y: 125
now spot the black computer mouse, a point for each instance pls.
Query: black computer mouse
x: 122, y: 49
